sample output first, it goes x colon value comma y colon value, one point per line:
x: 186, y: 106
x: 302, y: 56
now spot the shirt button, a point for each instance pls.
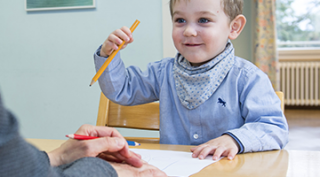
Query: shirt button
x: 195, y: 136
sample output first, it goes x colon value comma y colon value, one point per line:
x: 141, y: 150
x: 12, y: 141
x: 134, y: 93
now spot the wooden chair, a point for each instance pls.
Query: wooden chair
x: 144, y: 117
x: 281, y: 96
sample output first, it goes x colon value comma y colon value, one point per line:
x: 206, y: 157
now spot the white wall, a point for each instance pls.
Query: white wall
x: 46, y: 62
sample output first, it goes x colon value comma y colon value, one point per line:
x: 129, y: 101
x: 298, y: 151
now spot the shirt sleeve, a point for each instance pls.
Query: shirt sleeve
x: 88, y: 166
x: 265, y: 126
x: 128, y: 86
x: 19, y: 158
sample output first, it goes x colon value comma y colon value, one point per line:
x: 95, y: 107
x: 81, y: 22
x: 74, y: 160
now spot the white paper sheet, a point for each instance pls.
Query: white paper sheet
x: 174, y: 163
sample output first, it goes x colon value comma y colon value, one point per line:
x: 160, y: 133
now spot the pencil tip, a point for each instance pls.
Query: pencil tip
x: 70, y: 136
x: 92, y: 82
x: 89, y: 85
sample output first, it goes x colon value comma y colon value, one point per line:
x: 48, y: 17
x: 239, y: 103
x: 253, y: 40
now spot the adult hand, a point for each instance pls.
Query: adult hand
x: 124, y: 170
x: 224, y: 145
x: 111, y: 142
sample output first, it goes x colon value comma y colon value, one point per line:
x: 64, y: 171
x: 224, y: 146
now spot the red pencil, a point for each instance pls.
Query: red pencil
x: 81, y: 137
x: 84, y: 137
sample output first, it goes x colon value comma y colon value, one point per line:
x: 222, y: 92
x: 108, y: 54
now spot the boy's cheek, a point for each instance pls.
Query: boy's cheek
x: 175, y: 36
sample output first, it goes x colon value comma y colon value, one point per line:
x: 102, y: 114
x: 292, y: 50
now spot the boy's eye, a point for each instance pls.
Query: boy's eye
x: 180, y: 20
x: 203, y: 20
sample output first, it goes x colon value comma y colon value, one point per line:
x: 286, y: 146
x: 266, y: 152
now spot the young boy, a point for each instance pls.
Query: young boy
x: 208, y: 97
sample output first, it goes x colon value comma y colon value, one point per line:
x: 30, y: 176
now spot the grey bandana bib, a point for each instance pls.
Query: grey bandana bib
x: 194, y: 85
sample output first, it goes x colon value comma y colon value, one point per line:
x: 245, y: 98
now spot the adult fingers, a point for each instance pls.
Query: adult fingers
x: 110, y: 144
x: 99, y: 131
x: 138, y: 155
x: 154, y: 172
x: 112, y: 140
x: 133, y: 159
x: 146, y: 170
x: 111, y: 132
x: 131, y: 153
x: 110, y: 158
x: 92, y: 148
x: 102, y: 131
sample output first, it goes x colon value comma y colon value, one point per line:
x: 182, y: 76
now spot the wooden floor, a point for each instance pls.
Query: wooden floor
x: 304, y: 129
x: 303, y: 117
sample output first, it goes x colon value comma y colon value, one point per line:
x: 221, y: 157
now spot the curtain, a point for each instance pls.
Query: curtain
x: 265, y: 52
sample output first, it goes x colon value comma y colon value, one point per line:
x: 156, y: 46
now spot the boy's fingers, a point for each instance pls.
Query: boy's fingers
x: 122, y: 35
x: 114, y: 39
x: 127, y: 31
x: 198, y: 149
x: 111, y: 47
x: 193, y: 148
x: 217, y: 154
x: 129, y: 34
x: 205, y: 151
x: 131, y: 40
x: 232, y: 154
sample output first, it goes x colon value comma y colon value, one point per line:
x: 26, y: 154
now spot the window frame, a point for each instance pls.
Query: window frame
x: 298, y: 54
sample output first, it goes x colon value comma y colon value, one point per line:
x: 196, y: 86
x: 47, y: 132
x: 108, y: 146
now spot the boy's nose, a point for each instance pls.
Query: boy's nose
x: 189, y: 31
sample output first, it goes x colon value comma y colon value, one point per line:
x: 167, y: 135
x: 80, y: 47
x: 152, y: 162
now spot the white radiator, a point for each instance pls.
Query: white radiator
x: 300, y: 82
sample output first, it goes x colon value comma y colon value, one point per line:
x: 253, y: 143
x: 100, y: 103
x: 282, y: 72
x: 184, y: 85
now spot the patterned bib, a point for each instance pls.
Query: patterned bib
x: 195, y: 85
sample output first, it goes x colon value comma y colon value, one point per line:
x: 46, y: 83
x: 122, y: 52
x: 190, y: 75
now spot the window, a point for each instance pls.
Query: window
x: 298, y: 24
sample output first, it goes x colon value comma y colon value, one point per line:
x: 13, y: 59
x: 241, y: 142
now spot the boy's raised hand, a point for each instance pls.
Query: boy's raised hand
x: 115, y: 39
x: 224, y: 145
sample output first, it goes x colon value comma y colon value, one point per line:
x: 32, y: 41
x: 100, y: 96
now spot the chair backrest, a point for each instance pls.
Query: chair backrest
x: 281, y: 97
x: 145, y: 116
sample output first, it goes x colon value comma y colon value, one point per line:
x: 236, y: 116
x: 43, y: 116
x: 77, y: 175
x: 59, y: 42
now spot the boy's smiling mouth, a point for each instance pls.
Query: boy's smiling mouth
x: 192, y: 45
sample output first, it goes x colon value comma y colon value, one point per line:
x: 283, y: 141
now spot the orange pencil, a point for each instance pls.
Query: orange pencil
x: 113, y: 54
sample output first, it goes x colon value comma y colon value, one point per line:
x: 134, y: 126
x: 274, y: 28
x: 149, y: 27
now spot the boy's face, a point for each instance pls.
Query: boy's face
x: 200, y: 29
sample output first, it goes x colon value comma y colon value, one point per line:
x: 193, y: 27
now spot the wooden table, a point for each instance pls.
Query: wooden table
x: 271, y: 163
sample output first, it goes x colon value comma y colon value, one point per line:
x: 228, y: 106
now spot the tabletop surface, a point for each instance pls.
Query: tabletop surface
x: 269, y: 163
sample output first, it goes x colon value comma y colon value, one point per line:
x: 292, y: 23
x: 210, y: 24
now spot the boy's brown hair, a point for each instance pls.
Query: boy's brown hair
x: 231, y: 8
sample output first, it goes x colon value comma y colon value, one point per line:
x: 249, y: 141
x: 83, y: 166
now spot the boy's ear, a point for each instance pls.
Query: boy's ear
x: 236, y: 26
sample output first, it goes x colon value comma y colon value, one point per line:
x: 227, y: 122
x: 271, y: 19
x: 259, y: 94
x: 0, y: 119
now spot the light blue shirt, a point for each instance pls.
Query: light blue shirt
x: 244, y: 106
